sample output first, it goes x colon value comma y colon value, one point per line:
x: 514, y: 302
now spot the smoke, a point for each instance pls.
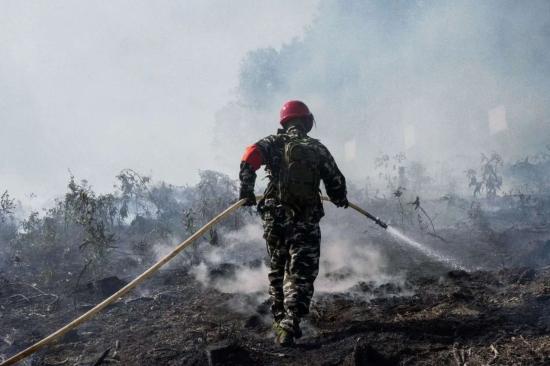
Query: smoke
x: 162, y: 248
x: 99, y: 87
x: 439, y: 81
x: 237, y: 264
x: 345, y: 263
x: 240, y: 264
x: 244, y: 279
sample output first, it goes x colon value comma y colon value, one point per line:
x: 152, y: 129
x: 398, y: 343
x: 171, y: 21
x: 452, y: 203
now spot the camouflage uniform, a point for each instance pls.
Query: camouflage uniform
x: 292, y: 233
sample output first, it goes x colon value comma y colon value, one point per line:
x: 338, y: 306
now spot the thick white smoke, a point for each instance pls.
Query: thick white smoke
x: 345, y: 261
x: 441, y: 81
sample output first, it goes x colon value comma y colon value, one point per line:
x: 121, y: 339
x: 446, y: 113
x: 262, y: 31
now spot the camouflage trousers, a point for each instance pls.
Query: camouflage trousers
x: 293, y: 246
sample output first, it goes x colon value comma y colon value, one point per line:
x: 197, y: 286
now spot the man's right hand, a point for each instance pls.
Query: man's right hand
x: 250, y: 198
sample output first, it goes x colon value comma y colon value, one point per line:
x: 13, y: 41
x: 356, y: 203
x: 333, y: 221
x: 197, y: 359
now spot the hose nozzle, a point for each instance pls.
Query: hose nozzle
x: 380, y: 223
x: 377, y: 220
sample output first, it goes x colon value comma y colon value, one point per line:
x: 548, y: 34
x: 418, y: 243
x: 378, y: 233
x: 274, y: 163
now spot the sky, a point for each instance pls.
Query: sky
x: 170, y: 87
x: 93, y: 87
x: 438, y: 82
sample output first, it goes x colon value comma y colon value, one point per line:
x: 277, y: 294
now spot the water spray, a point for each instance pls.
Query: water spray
x: 183, y: 245
x: 424, y: 249
x: 402, y: 237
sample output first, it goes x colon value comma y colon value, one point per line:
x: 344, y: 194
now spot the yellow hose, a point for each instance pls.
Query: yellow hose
x: 130, y: 286
x: 123, y: 291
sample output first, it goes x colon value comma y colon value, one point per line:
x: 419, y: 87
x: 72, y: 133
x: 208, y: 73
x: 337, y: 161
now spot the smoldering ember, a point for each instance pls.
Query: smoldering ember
x: 320, y: 182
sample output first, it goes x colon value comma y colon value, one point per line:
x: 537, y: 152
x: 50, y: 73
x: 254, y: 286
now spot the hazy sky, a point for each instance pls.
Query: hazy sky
x: 98, y: 86
x: 440, y: 81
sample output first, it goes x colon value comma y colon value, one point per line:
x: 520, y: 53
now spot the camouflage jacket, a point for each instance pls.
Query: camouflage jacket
x: 271, y: 149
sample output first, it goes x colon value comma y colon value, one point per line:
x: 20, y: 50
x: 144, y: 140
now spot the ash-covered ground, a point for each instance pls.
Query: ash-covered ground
x: 457, y: 318
x: 378, y: 301
x: 436, y: 112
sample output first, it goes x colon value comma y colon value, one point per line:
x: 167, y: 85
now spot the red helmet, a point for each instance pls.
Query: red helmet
x: 296, y: 109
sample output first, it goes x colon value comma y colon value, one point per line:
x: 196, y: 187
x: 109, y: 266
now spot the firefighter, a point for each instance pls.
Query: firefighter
x: 291, y: 209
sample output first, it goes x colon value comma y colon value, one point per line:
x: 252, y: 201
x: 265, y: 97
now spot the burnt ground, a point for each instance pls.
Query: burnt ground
x: 481, y: 318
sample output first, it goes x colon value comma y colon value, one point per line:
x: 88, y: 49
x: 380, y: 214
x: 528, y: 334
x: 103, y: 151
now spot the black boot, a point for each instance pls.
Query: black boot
x: 283, y: 336
x: 291, y: 324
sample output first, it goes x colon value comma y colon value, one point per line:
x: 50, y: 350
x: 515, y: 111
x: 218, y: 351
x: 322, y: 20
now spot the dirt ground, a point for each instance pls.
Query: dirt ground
x: 481, y: 318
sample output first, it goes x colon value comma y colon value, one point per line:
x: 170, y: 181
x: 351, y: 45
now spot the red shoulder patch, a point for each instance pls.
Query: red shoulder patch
x: 253, y: 157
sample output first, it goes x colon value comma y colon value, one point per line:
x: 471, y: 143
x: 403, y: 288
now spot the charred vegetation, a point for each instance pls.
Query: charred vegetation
x: 378, y: 301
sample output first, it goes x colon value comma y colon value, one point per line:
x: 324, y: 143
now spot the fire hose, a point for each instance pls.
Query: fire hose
x: 142, y: 277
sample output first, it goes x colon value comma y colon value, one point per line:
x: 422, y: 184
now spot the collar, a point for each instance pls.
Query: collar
x: 295, y: 131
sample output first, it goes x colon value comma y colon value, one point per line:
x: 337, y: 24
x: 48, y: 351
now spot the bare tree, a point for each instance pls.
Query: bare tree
x: 490, y: 179
x: 7, y: 205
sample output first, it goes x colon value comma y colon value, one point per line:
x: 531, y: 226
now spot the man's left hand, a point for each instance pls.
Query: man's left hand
x: 342, y: 203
